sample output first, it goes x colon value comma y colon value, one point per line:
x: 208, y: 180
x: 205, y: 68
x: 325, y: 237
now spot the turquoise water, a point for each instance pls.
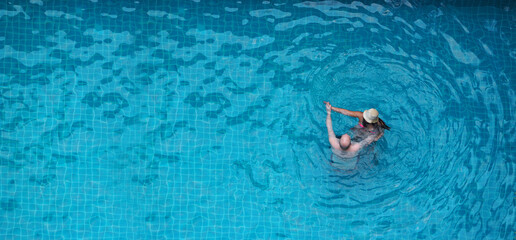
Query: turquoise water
x: 204, y: 120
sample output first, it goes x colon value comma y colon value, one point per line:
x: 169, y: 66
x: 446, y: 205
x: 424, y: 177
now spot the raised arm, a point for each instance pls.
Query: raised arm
x: 346, y: 112
x: 334, y: 141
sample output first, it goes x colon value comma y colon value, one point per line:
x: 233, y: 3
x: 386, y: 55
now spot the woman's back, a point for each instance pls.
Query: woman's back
x: 360, y: 133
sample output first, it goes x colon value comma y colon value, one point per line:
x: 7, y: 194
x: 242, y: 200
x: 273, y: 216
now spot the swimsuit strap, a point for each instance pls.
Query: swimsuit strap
x: 366, y: 129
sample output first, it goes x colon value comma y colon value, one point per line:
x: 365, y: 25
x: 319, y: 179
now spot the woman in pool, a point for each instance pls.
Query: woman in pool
x: 369, y: 124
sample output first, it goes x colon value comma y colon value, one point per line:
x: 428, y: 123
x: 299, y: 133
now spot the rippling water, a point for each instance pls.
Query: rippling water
x: 204, y: 120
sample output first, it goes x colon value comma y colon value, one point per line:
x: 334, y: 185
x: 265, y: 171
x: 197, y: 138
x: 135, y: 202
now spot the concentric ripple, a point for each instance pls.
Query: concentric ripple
x: 441, y: 159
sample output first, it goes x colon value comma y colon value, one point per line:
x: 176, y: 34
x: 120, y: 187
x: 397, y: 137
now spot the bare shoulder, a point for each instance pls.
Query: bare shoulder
x: 334, y: 142
x: 357, y: 114
x: 360, y: 116
x: 355, y: 147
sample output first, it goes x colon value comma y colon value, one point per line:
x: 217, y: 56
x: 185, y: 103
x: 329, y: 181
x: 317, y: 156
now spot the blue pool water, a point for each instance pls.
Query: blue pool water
x: 204, y: 119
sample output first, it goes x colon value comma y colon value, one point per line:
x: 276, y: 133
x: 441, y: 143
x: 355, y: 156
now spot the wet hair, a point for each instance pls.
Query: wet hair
x: 383, y: 125
x: 379, y: 124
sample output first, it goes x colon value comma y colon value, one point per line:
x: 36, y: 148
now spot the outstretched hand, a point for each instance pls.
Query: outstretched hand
x: 328, y: 106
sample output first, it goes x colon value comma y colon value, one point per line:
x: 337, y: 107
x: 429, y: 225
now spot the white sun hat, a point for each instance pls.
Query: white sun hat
x: 371, y: 115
